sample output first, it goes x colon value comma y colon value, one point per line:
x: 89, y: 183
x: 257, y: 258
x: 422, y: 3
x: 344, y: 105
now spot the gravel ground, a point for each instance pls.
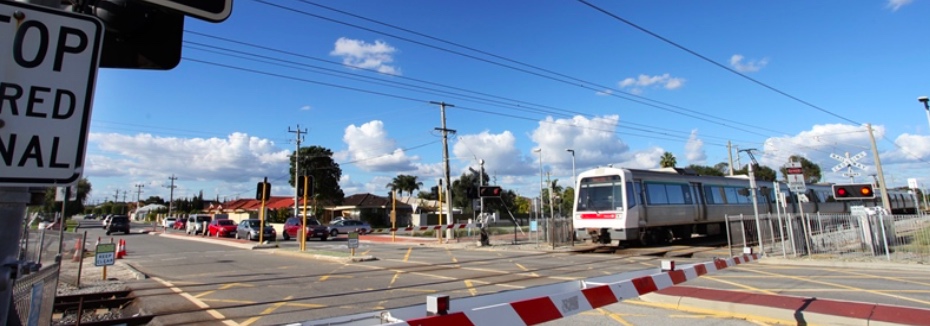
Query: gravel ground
x: 92, y: 277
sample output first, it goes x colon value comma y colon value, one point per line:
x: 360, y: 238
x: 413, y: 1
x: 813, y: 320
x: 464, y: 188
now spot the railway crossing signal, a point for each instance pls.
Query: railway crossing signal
x: 855, y: 191
x: 489, y: 191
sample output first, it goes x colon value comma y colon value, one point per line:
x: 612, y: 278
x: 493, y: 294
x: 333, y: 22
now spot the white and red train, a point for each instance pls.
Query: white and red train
x: 614, y: 205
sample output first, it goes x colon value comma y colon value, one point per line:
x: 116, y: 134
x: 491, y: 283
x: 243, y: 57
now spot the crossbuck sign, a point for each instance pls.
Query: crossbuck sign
x: 47, y: 83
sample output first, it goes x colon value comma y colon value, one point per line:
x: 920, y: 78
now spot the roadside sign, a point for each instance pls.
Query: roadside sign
x: 912, y: 183
x: 49, y: 73
x: 210, y: 10
x: 105, y: 255
x: 795, y: 174
x: 353, y: 240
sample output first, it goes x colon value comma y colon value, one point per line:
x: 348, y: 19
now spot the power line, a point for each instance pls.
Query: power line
x: 702, y: 57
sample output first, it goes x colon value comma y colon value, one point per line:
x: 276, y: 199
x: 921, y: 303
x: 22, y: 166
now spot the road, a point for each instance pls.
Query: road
x: 262, y: 287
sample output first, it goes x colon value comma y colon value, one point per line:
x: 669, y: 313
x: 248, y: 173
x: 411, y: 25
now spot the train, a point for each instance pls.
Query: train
x: 619, y: 205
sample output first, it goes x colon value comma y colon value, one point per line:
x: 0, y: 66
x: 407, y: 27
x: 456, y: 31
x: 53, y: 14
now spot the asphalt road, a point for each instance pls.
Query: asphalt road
x: 196, y: 282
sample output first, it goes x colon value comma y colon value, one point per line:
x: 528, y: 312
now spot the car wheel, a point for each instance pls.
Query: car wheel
x: 108, y: 232
x: 334, y: 233
x: 286, y: 237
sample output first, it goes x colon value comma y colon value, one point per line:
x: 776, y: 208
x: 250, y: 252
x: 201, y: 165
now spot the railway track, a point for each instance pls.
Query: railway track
x: 680, y: 248
x: 97, y: 309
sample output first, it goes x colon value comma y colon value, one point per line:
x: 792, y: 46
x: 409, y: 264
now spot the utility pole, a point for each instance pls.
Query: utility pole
x: 481, y: 183
x: 730, y: 154
x: 171, y: 196
x: 445, y: 153
x: 297, y: 162
x: 139, y: 187
x: 125, y: 203
x: 886, y: 203
x: 755, y: 204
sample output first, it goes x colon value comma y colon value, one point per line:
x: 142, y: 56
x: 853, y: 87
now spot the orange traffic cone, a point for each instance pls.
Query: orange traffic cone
x: 121, y: 249
x: 78, y: 251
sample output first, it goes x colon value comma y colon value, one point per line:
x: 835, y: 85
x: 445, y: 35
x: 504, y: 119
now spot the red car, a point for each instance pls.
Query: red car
x: 314, y: 229
x: 180, y: 224
x: 221, y: 228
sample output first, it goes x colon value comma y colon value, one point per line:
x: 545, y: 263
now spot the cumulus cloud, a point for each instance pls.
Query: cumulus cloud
x: 736, y: 61
x: 371, y: 149
x: 694, y: 149
x: 499, y: 152
x: 306, y: 108
x: 594, y: 140
x: 819, y: 142
x: 894, y: 5
x: 236, y: 158
x: 638, y: 84
x: 357, y: 53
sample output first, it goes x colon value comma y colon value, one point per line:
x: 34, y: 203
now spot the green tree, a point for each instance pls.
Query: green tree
x: 812, y: 172
x: 521, y: 205
x: 405, y: 183
x: 723, y: 167
x: 73, y: 207
x: 761, y: 172
x: 432, y: 194
x: 668, y: 160
x: 154, y: 200
x: 705, y: 170
x: 568, y: 201
x: 318, y: 162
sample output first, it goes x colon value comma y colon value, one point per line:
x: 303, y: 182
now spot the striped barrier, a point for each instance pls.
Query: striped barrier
x: 547, y: 308
x: 439, y: 228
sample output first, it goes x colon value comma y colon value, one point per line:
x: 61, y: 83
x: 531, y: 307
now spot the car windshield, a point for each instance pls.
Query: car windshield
x: 225, y: 222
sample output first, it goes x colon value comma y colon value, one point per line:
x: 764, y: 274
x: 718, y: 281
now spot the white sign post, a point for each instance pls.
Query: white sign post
x: 46, y: 92
x: 795, y: 175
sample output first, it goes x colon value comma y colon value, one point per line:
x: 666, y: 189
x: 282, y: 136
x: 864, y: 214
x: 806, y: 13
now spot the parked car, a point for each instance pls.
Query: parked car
x: 248, y: 229
x: 196, y: 224
x: 180, y: 224
x: 314, y: 229
x: 221, y: 228
x: 346, y: 226
x: 168, y: 222
x: 118, y: 223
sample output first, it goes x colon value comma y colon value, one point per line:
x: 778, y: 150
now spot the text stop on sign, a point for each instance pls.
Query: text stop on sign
x: 46, y: 92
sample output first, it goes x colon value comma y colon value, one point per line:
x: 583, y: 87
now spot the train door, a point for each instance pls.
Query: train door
x: 697, y: 192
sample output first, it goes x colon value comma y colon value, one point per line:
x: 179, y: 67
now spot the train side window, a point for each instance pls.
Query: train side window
x: 655, y: 194
x: 676, y: 194
x: 731, y: 195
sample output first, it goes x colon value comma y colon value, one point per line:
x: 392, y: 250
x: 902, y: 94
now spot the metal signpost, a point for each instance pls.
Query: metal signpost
x: 49, y: 73
x: 353, y: 242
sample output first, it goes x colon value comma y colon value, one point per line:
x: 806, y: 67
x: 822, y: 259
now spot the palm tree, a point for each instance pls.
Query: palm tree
x: 405, y: 183
x: 668, y: 160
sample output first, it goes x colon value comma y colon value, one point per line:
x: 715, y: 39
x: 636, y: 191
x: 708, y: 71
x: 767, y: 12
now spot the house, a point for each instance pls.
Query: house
x: 371, y: 208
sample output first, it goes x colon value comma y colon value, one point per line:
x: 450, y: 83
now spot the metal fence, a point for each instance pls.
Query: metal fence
x: 904, y: 238
x: 34, y: 296
x: 41, y: 246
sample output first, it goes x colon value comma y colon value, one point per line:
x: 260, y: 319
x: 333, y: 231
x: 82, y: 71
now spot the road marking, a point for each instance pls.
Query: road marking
x: 393, y: 279
x: 471, y: 288
x: 230, y: 301
x: 739, y: 285
x: 716, y: 313
x: 205, y: 294
x: 614, y: 317
x: 899, y: 279
x: 407, y: 256
x: 212, y: 312
x: 267, y: 311
x: 842, y: 286
x: 521, y: 267
x: 231, y: 285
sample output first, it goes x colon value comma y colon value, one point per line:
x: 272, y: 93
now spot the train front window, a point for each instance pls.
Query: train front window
x: 600, y: 194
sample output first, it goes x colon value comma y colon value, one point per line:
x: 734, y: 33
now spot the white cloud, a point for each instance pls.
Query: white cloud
x: 306, y: 108
x: 359, y: 54
x: 594, y: 140
x: 913, y: 148
x: 237, y: 158
x: 499, y: 152
x: 749, y: 66
x: 638, y: 84
x: 894, y: 5
x: 371, y: 149
x: 644, y: 159
x: 818, y: 143
x: 694, y: 149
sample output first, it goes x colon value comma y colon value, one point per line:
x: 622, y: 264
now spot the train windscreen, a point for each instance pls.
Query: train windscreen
x: 602, y: 193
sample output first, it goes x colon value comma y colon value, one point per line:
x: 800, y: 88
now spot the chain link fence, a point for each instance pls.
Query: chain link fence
x: 867, y: 235
x: 40, y: 247
x: 34, y: 295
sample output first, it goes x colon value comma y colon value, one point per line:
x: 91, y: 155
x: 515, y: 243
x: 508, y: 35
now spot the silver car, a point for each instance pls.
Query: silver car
x: 346, y: 226
x: 248, y: 229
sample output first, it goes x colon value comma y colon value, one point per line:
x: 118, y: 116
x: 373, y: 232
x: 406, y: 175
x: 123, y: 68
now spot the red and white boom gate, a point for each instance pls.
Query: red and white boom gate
x: 537, y: 304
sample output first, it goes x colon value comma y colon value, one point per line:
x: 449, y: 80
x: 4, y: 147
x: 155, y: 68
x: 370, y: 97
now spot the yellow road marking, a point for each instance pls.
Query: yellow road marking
x: 407, y: 256
x: 739, y: 285
x: 471, y: 288
x: 231, y: 285
x: 230, y: 301
x: 521, y: 267
x: 394, y: 279
x: 614, y: 317
x: 323, y: 278
x: 267, y: 311
x: 212, y: 312
x: 366, y: 252
x: 205, y: 294
x: 841, y: 286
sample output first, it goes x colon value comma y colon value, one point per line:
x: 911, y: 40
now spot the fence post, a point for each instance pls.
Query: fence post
x: 794, y: 247
x: 729, y: 239
x: 742, y: 226
x: 881, y: 221
x: 81, y: 262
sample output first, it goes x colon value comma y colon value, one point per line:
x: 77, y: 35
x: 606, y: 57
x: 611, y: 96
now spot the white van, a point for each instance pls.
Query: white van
x: 197, y: 223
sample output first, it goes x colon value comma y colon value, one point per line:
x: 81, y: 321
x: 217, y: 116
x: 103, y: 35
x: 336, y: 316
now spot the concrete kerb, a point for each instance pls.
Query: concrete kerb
x: 314, y: 255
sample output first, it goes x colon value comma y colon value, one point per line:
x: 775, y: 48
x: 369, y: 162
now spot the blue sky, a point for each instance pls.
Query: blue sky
x: 522, y: 75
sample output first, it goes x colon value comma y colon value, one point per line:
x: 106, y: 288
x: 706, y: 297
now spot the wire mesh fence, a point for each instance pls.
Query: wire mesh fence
x: 864, y: 235
x: 34, y: 296
x: 41, y: 246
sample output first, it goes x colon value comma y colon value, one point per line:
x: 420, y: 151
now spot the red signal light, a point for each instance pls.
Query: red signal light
x: 841, y: 192
x: 853, y: 191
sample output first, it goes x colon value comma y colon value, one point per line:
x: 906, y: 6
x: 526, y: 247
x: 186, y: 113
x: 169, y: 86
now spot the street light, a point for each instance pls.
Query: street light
x: 538, y: 213
x: 575, y: 187
x: 925, y: 100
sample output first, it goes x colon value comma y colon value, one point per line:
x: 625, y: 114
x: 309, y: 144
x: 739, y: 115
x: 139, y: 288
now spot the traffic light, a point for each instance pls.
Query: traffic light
x: 854, y: 191
x: 489, y: 191
x: 305, y: 181
x: 263, y: 191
